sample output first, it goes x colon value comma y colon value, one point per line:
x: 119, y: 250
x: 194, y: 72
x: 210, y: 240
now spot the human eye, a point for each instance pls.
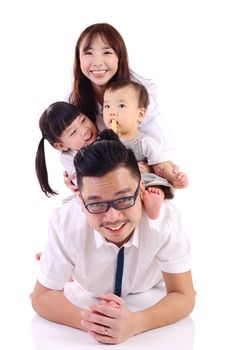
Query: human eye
x: 83, y: 120
x: 122, y: 105
x: 124, y: 202
x: 73, y: 132
x: 109, y: 51
x: 106, y: 106
x: 87, y: 52
x: 96, y: 207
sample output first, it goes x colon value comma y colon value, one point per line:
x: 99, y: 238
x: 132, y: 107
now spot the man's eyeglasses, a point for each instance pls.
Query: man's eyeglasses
x: 118, y: 204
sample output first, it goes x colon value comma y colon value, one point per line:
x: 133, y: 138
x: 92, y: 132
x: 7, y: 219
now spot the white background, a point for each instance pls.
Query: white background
x: 185, y: 46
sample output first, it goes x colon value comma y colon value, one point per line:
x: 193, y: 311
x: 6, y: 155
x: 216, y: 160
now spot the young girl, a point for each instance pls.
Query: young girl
x: 101, y: 57
x: 67, y: 130
x: 124, y: 106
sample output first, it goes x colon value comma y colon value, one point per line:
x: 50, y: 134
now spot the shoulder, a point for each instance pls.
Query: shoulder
x: 148, y: 141
x: 68, y: 219
x: 66, y: 158
x: 148, y: 83
x: 152, y: 110
x: 168, y: 222
x: 68, y: 154
x: 143, y: 136
x: 165, y: 235
x: 170, y: 213
x: 169, y: 240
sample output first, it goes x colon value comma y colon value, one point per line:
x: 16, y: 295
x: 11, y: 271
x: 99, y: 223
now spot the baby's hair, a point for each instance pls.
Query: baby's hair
x: 141, y: 91
x: 54, y: 120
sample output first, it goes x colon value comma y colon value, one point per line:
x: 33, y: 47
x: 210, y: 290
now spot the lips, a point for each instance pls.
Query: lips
x: 115, y: 230
x: 99, y: 73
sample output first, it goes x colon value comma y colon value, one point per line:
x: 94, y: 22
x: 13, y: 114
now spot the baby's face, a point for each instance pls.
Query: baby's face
x: 122, y: 105
x: 79, y: 133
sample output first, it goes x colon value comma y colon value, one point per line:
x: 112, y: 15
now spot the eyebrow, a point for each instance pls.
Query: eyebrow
x: 103, y: 48
x: 124, y: 191
x: 118, y: 101
x: 69, y: 128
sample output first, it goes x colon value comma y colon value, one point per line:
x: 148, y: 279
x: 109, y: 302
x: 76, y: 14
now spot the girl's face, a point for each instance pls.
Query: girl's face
x: 79, y: 133
x: 122, y: 105
x: 99, y: 62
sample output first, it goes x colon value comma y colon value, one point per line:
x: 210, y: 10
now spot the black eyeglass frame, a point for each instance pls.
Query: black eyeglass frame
x: 113, y: 203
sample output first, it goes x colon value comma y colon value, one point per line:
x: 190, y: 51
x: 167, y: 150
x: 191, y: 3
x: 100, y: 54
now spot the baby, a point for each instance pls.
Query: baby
x: 124, y: 107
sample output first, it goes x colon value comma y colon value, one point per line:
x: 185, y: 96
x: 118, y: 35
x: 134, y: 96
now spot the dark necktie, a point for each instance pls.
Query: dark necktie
x: 119, y: 272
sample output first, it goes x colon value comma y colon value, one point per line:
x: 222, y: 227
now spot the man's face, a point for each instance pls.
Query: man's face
x: 116, y: 226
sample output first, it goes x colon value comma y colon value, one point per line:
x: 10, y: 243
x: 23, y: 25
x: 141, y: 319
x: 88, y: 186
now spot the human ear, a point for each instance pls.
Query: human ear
x: 142, y: 189
x: 141, y: 115
x: 78, y: 194
x: 60, y: 146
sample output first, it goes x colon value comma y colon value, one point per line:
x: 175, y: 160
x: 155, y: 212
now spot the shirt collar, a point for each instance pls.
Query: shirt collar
x: 133, y: 241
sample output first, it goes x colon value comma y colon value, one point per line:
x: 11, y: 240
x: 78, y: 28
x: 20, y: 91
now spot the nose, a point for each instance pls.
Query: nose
x: 85, y: 133
x: 97, y: 64
x: 113, y: 111
x: 112, y: 215
x: 97, y: 61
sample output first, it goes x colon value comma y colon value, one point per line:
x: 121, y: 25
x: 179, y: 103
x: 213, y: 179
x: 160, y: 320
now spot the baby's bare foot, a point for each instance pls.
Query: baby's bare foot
x: 152, y: 200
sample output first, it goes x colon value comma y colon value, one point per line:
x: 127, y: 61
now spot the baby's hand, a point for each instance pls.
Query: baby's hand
x: 144, y: 167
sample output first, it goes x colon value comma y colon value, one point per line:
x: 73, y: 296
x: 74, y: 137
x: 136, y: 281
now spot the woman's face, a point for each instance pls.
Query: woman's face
x: 99, y: 62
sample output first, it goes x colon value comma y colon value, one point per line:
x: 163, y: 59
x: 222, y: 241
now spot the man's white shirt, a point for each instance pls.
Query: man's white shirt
x: 74, y: 249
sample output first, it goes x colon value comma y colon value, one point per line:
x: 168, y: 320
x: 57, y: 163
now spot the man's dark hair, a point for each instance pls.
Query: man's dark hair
x: 105, y: 154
